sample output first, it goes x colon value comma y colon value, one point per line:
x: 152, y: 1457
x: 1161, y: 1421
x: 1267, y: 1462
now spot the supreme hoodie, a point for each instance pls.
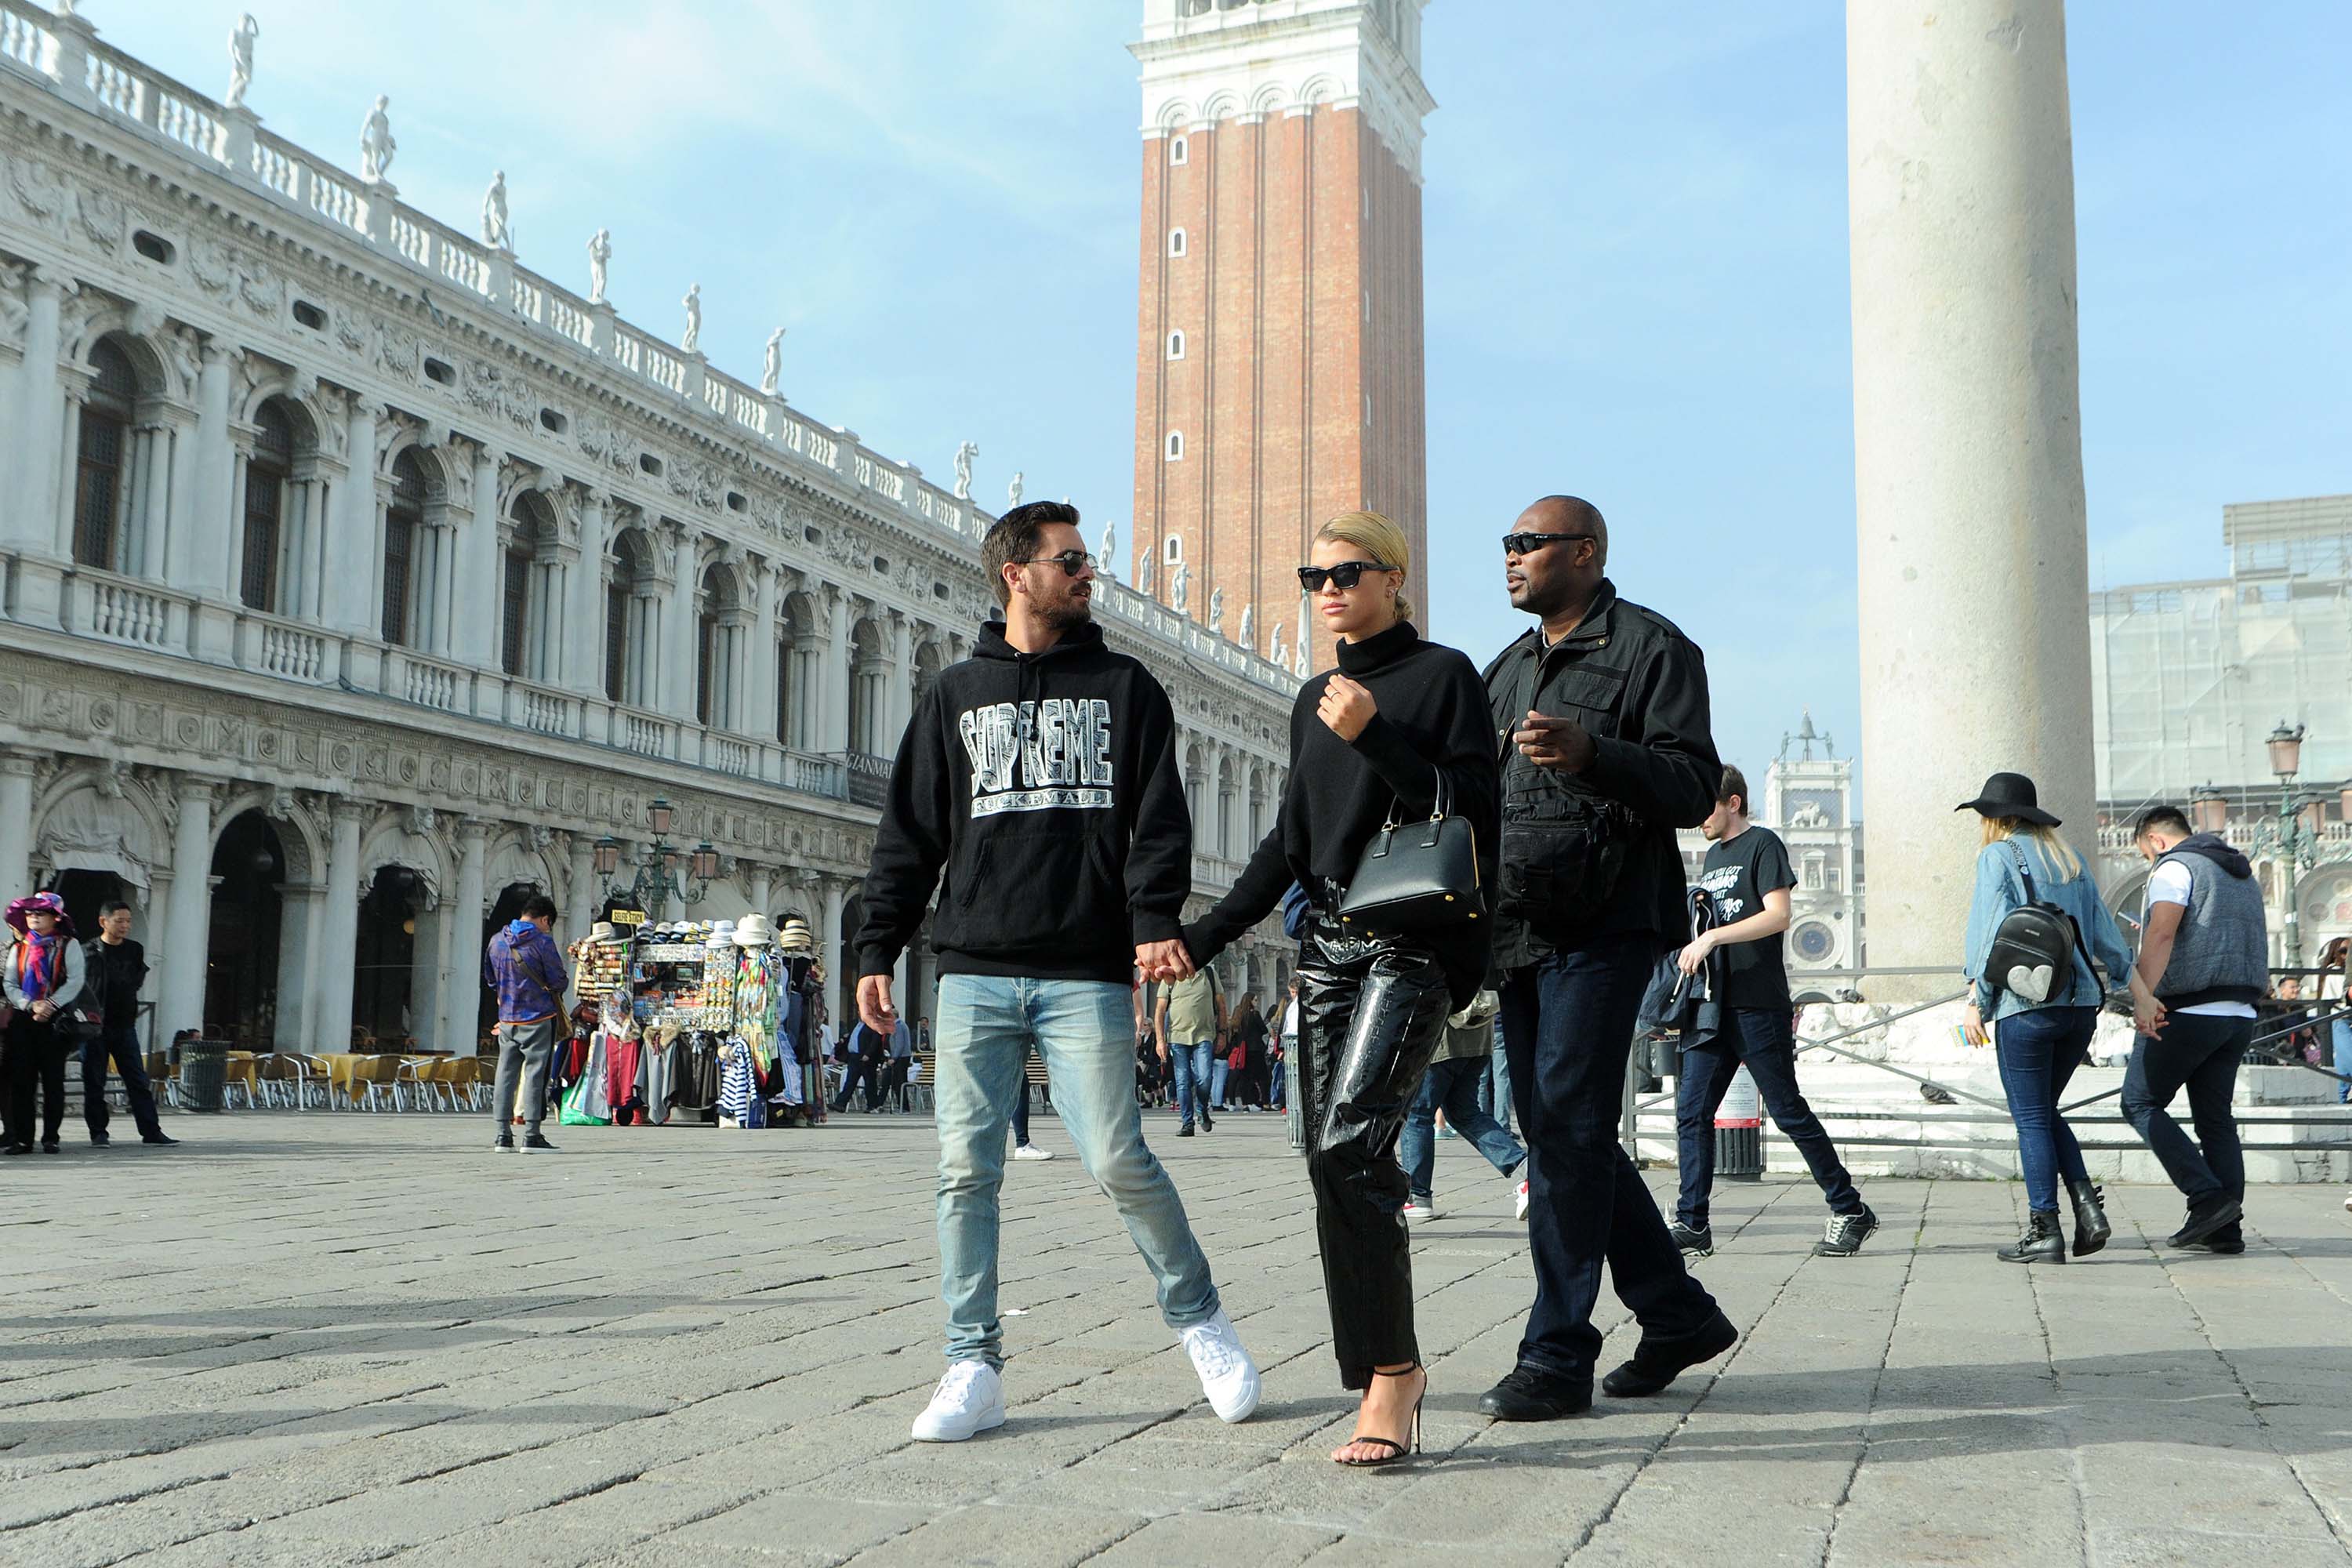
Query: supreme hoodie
x: 1045, y: 787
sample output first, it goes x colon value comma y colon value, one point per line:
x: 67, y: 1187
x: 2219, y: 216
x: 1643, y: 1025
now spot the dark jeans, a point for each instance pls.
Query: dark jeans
x: 863, y: 1070
x: 1568, y: 1027
x: 119, y: 1046
x: 2039, y: 1051
x: 1370, y: 1011
x: 2200, y: 1053
x: 1764, y: 1041
x: 36, y: 1052
x: 1452, y: 1087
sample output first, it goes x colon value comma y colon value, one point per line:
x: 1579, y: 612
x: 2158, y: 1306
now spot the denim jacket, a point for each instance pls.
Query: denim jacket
x: 2000, y: 889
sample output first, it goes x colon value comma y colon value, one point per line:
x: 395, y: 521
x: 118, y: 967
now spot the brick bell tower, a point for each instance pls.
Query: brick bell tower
x: 1278, y: 375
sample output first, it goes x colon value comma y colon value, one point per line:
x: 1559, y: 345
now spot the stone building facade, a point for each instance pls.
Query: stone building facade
x: 357, y: 580
x: 1279, y: 374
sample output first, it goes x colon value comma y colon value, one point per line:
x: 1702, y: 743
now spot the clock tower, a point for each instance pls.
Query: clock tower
x: 1278, y: 348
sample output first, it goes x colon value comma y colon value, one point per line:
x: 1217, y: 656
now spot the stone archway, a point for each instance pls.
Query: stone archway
x: 245, y: 940
x: 384, y: 985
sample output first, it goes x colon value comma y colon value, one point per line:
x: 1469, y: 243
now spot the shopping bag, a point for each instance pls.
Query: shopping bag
x: 589, y: 1103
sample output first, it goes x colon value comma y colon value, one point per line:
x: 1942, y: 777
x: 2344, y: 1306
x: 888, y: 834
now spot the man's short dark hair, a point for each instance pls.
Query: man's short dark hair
x: 2159, y: 819
x: 111, y: 905
x: 538, y: 906
x: 1735, y: 784
x: 1014, y: 537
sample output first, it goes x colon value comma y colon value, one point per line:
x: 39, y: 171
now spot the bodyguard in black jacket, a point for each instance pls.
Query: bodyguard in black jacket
x: 1600, y: 715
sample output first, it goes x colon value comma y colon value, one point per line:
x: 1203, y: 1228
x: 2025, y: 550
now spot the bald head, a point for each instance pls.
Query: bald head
x: 1570, y: 514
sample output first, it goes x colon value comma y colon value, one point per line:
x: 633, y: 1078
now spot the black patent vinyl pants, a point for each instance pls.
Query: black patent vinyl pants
x: 1370, y: 1012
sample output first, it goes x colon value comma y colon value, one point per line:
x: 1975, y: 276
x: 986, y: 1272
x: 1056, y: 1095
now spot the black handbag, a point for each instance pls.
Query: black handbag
x: 1416, y: 876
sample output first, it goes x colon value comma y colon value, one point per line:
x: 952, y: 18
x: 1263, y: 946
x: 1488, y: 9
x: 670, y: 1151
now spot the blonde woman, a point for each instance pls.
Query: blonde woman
x: 2039, y: 1043
x: 1377, y: 734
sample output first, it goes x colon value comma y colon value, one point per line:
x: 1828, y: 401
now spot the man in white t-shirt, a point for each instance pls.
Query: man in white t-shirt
x: 2204, y: 962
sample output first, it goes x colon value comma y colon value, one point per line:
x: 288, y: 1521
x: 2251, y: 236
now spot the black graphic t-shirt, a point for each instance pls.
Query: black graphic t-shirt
x: 1738, y: 874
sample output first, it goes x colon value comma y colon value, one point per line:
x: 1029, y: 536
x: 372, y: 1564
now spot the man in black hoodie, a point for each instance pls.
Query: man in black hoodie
x: 1040, y: 775
x: 1601, y: 713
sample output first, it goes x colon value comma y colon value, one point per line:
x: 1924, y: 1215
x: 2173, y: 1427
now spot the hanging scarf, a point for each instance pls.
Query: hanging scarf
x: 40, y: 965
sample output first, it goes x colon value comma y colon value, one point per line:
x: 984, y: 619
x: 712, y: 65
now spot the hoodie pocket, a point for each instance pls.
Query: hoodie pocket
x: 1031, y: 890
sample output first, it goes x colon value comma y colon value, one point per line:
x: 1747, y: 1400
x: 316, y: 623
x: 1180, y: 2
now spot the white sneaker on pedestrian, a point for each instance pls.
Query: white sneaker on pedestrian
x: 1031, y: 1151
x: 969, y: 1399
x: 1520, y: 1211
x: 1415, y: 1211
x: 1228, y: 1376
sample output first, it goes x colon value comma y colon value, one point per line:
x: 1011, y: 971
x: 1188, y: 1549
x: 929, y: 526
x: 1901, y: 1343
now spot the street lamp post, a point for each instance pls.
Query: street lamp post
x: 667, y: 871
x: 2297, y: 848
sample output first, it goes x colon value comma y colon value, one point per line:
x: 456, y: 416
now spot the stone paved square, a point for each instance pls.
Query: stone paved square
x: 329, y: 1338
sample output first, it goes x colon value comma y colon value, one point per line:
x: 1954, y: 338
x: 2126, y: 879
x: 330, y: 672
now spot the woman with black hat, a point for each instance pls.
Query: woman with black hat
x: 2039, y: 1043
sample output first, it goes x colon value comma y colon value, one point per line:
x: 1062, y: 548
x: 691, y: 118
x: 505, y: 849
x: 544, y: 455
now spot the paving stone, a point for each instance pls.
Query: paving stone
x: 676, y: 1347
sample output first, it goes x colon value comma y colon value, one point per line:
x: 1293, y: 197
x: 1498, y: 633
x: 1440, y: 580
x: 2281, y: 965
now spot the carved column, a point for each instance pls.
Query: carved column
x: 187, y: 934
x: 298, y: 948
x: 834, y: 737
x: 339, y: 935
x: 584, y: 894
x: 349, y: 596
x: 460, y: 1026
x: 840, y: 986
x: 208, y: 568
x: 678, y: 661
x: 584, y: 643
x: 902, y: 684
x: 16, y: 770
x: 475, y: 633
x: 763, y: 884
x: 40, y: 406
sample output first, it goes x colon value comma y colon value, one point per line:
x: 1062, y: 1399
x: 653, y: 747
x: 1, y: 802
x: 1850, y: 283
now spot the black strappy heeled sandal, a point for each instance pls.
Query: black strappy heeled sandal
x: 1396, y: 1450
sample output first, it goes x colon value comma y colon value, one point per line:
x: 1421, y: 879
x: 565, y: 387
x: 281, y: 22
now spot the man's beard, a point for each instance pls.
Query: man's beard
x: 1068, y: 615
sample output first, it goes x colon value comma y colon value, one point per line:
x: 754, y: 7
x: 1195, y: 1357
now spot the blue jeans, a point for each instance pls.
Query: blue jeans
x: 2342, y: 1028
x: 1568, y: 1022
x: 1494, y: 1086
x: 2039, y: 1051
x: 1218, y: 1072
x: 2199, y: 1053
x: 1764, y: 1041
x: 1191, y: 1076
x: 1274, y: 1085
x: 1452, y: 1087
x: 985, y: 1027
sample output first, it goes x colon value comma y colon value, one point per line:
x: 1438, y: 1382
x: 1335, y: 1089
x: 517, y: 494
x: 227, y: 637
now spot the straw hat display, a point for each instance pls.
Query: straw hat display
x: 605, y: 931
x: 797, y: 936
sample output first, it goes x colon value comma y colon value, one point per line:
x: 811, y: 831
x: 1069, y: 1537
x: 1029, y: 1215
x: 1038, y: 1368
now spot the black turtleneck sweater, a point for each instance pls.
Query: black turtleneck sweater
x: 1432, y: 717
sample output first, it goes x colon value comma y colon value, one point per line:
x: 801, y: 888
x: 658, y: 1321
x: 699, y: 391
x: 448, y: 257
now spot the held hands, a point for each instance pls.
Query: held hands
x: 874, y: 1008
x: 2149, y: 1016
x: 1164, y: 959
x: 1346, y: 706
x: 44, y: 1011
x: 1551, y: 743
x: 1694, y: 954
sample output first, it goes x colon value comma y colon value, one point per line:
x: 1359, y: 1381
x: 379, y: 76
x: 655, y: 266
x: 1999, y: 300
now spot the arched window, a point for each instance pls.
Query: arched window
x: 1175, y: 242
x: 404, y: 524
x: 1224, y: 839
x: 719, y: 627
x: 102, y: 499
x: 798, y: 663
x: 1172, y: 552
x: 1176, y: 344
x: 528, y: 581
x: 1180, y: 149
x: 867, y: 673
x: 630, y: 625
x: 267, y: 473
x: 1175, y: 445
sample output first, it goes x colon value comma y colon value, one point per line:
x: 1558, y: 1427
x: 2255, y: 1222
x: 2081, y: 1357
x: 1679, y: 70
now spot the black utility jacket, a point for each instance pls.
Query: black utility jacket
x: 1628, y: 675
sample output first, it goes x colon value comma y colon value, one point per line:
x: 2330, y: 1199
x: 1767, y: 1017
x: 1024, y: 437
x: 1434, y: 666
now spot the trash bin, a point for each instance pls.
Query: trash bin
x: 204, y: 1073
x: 1740, y: 1132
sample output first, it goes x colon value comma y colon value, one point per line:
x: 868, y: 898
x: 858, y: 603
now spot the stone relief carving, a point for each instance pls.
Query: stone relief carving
x: 497, y: 391
x: 37, y: 188
x: 598, y: 436
x: 103, y: 217
x: 14, y: 308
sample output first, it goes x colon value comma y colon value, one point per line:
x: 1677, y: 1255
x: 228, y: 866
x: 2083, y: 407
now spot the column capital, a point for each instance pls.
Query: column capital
x: 20, y: 765
x: 473, y: 830
x: 192, y: 787
x: 345, y: 808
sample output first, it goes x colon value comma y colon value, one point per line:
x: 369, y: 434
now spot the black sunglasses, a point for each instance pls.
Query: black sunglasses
x: 1346, y: 574
x: 1071, y: 562
x: 1528, y: 544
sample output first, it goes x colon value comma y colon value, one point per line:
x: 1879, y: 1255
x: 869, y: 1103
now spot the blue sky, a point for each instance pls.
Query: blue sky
x: 1636, y: 251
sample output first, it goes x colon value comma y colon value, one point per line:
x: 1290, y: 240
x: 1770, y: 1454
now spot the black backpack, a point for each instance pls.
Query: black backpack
x: 2032, y: 953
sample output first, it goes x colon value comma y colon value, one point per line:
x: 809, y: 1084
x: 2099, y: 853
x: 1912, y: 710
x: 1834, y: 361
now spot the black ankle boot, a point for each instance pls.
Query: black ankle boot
x: 2091, y: 1226
x: 2042, y: 1243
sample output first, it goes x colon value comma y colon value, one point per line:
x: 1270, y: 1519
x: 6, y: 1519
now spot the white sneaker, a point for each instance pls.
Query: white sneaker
x: 1031, y: 1151
x: 1228, y: 1376
x: 969, y: 1399
x: 1416, y: 1212
x: 1520, y: 1211
x: 2348, y: 1200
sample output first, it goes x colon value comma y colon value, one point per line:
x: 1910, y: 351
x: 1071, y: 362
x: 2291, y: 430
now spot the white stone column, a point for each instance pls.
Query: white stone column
x: 37, y: 445
x: 339, y: 937
x: 834, y: 737
x: 475, y: 643
x: 197, y: 559
x: 1967, y: 445
x: 428, y: 974
x: 187, y: 936
x: 583, y: 642
x: 763, y: 892
x: 902, y: 683
x: 840, y: 986
x: 461, y: 1020
x: 349, y: 604
x: 678, y: 661
x: 584, y: 890
x: 16, y: 770
x: 298, y: 915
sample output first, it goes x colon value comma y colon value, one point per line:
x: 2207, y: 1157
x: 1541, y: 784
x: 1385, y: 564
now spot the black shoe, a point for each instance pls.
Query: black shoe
x: 2091, y: 1226
x: 1658, y: 1361
x: 18, y: 1148
x: 100, y: 1140
x: 1185, y: 1130
x: 1207, y: 1125
x: 49, y: 1146
x: 2207, y: 1216
x: 2042, y: 1243
x: 2228, y: 1241
x: 159, y: 1139
x: 1845, y: 1233
x: 1531, y: 1393
x: 1699, y: 1243
x: 537, y: 1143
x: 502, y: 1144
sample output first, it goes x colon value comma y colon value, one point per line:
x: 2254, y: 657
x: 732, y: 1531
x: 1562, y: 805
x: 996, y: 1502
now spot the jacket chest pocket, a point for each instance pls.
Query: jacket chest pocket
x: 1588, y: 693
